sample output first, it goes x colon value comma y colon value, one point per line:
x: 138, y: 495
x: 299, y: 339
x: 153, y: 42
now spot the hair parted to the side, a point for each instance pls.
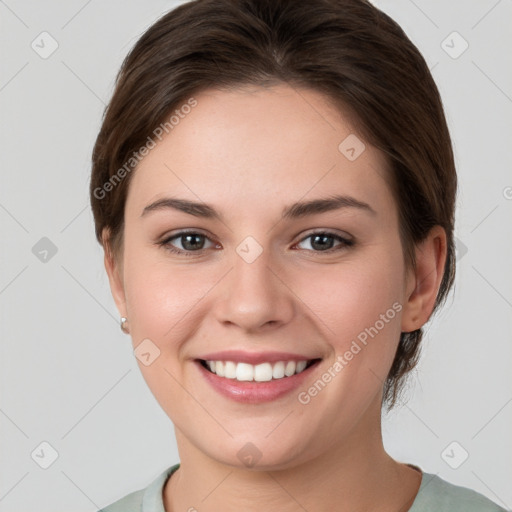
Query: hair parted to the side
x: 346, y: 49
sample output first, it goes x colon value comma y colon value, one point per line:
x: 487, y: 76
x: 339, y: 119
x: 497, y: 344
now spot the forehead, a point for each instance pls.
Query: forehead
x: 251, y: 145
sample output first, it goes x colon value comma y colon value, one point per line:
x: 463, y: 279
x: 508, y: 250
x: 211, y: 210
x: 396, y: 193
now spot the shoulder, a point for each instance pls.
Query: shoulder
x: 149, y: 499
x: 437, y: 495
x: 130, y: 503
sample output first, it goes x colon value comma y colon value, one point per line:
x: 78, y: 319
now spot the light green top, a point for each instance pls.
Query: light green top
x: 434, y: 495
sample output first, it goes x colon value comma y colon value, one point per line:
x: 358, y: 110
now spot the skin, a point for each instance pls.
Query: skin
x: 249, y: 153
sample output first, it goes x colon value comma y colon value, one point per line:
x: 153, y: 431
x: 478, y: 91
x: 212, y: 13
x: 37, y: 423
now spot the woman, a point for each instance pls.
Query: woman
x: 274, y: 188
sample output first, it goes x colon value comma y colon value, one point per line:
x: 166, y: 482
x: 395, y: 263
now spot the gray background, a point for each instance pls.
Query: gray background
x: 68, y: 375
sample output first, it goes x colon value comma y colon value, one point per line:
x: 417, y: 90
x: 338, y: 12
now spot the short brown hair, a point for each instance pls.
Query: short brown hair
x: 346, y: 49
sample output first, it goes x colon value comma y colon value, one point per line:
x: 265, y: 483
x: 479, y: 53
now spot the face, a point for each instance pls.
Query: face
x: 262, y: 280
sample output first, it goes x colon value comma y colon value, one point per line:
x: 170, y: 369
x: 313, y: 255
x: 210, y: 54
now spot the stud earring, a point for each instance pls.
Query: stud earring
x: 124, y: 327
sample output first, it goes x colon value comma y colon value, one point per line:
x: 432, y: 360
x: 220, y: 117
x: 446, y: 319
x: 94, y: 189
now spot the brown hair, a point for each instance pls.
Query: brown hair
x: 347, y: 49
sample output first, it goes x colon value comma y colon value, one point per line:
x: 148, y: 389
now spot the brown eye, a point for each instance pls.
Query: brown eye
x: 187, y: 242
x: 325, y: 241
x: 192, y: 242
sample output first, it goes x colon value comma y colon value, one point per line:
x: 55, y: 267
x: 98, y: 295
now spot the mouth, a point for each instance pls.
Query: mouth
x: 263, y: 372
x: 264, y: 381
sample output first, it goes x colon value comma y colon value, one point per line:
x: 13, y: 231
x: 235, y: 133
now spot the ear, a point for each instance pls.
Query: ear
x: 114, y: 272
x: 423, y: 281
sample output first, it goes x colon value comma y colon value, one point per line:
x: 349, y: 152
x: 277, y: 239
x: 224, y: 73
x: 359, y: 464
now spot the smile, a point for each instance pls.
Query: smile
x: 271, y: 377
x: 263, y: 372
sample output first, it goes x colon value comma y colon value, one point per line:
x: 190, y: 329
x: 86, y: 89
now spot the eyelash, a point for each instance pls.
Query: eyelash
x: 166, y: 244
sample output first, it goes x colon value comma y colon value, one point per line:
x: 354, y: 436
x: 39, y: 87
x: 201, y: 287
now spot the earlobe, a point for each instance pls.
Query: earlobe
x: 424, y: 280
x: 114, y: 274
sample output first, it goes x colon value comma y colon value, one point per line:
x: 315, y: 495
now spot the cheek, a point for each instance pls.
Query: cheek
x: 157, y: 295
x: 356, y: 291
x: 360, y: 307
x: 159, y: 298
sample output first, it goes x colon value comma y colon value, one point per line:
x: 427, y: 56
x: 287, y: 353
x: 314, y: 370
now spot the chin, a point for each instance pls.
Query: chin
x: 257, y: 453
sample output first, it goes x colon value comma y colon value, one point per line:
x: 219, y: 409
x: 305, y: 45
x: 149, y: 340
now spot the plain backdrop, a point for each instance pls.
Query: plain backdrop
x: 72, y: 396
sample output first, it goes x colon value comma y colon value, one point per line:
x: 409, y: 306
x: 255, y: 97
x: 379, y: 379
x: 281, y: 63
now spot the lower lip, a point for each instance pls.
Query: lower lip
x: 255, y: 392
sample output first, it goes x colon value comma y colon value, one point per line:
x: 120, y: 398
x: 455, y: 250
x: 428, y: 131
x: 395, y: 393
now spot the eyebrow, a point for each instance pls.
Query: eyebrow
x: 296, y: 210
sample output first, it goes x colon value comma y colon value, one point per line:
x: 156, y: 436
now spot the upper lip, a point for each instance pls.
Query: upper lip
x: 240, y: 356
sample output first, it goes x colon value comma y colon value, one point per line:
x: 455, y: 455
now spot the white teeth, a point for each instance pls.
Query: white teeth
x: 219, y: 368
x: 300, y: 366
x: 244, y: 371
x: 259, y: 373
x: 230, y: 370
x: 289, y: 369
x: 263, y: 372
x: 278, y: 370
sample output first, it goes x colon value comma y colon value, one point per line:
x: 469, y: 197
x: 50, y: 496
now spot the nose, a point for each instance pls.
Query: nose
x: 255, y: 296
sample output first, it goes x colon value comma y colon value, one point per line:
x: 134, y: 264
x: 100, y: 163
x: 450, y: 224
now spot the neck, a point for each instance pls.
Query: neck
x: 354, y: 474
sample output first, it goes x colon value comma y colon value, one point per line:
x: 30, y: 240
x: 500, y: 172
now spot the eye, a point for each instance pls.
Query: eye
x: 186, y: 242
x: 323, y: 241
